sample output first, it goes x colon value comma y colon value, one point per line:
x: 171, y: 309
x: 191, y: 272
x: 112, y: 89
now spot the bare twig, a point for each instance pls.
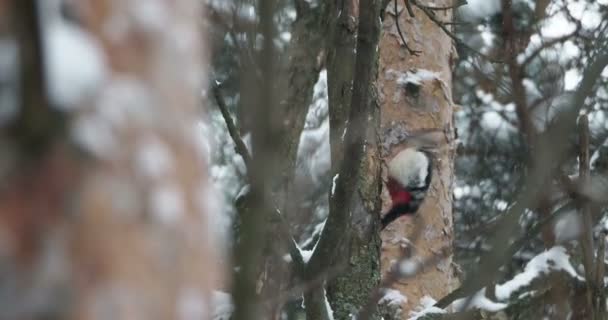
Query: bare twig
x: 240, y: 146
x: 517, y: 74
x: 408, y: 6
x: 527, y: 130
x: 546, y: 45
x: 241, y: 149
x: 431, y: 15
x: 397, y: 24
x: 459, y: 23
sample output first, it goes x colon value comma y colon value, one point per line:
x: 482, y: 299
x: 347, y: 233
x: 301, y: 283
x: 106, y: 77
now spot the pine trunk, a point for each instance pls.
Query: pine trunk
x: 107, y: 217
x: 415, y: 95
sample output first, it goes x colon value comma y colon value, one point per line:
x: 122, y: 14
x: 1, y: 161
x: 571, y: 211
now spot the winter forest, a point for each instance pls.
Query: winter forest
x: 303, y: 159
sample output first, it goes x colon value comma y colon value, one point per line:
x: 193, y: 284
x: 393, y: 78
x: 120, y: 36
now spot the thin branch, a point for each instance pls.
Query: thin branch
x: 531, y: 233
x: 408, y: 6
x: 450, y: 34
x: 546, y: 45
x: 459, y: 23
x: 397, y: 15
x: 241, y: 149
x: 240, y: 146
x: 517, y: 74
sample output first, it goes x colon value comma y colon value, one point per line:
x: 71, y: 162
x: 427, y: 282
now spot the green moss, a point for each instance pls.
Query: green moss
x: 348, y: 292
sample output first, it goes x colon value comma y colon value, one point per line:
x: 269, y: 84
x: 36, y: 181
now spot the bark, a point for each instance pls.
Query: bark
x: 305, y: 58
x: 410, y: 107
x: 340, y: 68
x: 85, y: 233
x: 279, y: 122
x: 349, y: 244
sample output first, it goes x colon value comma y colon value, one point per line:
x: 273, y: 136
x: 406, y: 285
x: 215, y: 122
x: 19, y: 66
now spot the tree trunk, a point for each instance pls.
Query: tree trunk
x: 281, y: 119
x: 415, y: 95
x: 347, y: 253
x: 304, y: 57
x: 120, y: 230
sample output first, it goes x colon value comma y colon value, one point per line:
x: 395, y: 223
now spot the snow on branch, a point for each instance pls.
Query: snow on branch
x: 478, y: 301
x: 426, y: 307
x: 554, y: 259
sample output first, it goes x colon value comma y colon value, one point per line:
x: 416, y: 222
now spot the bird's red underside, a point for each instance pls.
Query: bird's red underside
x: 398, y: 194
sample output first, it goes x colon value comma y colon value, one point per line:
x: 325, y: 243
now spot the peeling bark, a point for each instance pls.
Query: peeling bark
x: 408, y: 108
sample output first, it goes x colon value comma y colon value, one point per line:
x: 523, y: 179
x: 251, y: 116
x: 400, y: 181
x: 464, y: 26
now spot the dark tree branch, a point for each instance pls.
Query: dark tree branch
x: 263, y: 104
x: 517, y: 74
x: 338, y: 233
x: 408, y: 6
x: 338, y: 221
x: 527, y: 129
x: 341, y: 54
x: 241, y: 149
x: 286, y: 122
x: 586, y: 236
x: 239, y: 144
x: 37, y: 123
x: 546, y: 45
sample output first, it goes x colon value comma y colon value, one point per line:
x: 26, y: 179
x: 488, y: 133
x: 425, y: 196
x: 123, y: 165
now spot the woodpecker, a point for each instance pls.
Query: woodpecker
x: 409, y: 177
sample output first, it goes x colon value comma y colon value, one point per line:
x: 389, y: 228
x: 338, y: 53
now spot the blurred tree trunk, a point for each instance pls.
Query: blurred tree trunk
x: 280, y: 119
x: 121, y: 230
x: 411, y: 104
x: 305, y: 56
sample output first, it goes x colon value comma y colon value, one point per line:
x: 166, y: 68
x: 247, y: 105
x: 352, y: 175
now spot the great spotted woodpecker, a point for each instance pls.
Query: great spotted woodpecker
x: 409, y: 177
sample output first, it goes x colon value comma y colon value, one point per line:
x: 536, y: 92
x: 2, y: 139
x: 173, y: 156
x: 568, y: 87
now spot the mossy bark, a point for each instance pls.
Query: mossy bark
x: 354, y: 235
